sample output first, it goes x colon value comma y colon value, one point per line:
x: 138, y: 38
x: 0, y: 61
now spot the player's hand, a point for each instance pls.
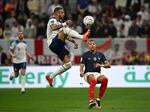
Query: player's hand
x: 98, y: 65
x: 75, y: 46
x: 69, y: 22
x: 81, y: 74
x: 31, y: 57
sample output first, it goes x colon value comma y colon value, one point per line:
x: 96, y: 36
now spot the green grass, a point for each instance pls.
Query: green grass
x: 74, y: 100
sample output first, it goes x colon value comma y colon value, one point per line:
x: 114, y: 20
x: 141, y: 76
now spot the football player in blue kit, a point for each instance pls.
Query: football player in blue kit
x: 90, y: 69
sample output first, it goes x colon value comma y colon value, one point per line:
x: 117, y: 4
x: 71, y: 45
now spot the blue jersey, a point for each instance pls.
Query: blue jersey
x: 90, y: 59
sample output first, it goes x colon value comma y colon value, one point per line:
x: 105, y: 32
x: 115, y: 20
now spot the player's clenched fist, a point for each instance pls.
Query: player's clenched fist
x: 69, y: 22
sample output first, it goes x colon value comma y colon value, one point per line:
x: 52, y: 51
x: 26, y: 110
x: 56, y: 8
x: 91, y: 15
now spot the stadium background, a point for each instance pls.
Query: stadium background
x: 121, y: 31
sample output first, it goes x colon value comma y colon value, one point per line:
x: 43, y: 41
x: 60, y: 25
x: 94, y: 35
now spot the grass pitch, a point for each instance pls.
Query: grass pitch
x: 74, y: 100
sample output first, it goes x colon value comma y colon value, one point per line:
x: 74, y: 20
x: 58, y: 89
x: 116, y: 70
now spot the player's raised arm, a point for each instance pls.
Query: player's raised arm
x: 53, y: 22
x: 58, y: 26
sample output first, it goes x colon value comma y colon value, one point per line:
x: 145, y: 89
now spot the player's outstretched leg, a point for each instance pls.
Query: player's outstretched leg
x: 86, y: 35
x: 59, y: 71
x: 50, y: 80
x: 75, y: 34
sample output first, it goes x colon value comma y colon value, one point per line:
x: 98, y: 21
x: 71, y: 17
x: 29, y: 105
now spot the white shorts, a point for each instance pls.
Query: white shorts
x: 96, y: 75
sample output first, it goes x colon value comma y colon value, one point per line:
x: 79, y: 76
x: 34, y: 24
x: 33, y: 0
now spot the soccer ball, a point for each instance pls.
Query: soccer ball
x: 88, y: 20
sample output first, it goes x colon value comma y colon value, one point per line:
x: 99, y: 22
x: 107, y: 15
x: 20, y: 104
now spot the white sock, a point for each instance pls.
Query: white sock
x: 98, y: 99
x: 61, y: 69
x: 23, y: 83
x: 72, y: 33
x: 22, y: 89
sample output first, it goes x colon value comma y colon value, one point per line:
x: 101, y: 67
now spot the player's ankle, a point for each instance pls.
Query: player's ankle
x: 98, y: 99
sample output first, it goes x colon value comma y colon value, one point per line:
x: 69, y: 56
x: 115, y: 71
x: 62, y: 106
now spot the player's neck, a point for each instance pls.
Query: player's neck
x: 93, y: 51
x: 20, y: 39
x: 56, y: 17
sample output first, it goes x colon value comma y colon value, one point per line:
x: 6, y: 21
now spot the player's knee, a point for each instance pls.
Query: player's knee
x: 67, y: 65
x: 93, y: 81
x: 22, y: 72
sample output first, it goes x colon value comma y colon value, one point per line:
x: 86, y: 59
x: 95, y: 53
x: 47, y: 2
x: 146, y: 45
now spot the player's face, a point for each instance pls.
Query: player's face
x: 61, y: 14
x: 20, y: 35
x: 92, y: 45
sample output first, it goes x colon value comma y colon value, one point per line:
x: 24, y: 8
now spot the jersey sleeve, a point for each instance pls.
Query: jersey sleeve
x: 52, y: 21
x: 25, y: 44
x: 83, y: 59
x: 12, y: 45
x: 104, y: 60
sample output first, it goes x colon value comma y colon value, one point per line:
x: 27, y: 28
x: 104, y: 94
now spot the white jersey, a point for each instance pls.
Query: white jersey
x: 19, y: 48
x: 50, y: 33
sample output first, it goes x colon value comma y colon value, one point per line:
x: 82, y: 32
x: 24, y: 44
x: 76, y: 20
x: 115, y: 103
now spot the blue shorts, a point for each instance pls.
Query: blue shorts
x: 18, y: 66
x: 58, y: 47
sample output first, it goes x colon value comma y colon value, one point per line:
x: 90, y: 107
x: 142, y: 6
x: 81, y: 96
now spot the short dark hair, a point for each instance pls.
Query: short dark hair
x: 91, y: 40
x: 58, y: 9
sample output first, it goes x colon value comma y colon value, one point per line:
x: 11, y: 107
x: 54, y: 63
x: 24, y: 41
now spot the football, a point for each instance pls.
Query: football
x: 88, y: 20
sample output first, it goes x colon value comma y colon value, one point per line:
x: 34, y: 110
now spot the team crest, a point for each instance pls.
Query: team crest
x: 52, y: 21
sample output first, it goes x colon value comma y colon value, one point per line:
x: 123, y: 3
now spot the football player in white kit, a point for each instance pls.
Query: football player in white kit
x: 18, y: 52
x: 57, y: 33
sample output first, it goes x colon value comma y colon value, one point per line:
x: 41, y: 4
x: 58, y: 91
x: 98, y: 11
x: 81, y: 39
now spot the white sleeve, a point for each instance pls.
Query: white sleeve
x: 26, y: 45
x: 12, y: 45
x: 52, y: 21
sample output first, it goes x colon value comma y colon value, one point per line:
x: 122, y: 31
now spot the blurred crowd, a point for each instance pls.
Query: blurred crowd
x: 131, y: 57
x: 115, y: 18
